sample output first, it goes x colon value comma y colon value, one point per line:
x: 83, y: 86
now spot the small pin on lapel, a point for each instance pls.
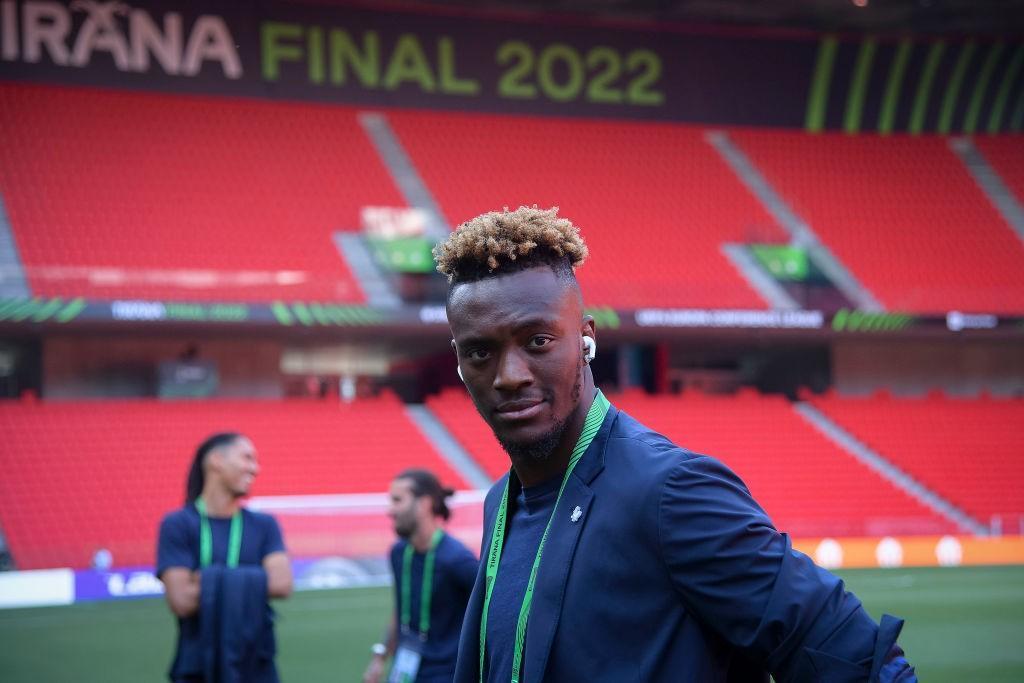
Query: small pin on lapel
x: 576, y: 514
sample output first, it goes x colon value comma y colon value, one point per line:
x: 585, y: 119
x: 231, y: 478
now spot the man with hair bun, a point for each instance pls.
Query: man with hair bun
x: 609, y: 552
x: 434, y: 575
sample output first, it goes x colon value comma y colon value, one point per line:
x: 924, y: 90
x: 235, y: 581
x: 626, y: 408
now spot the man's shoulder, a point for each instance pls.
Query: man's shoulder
x: 454, y: 550
x: 397, y: 548
x: 181, y: 517
x: 632, y: 440
x: 261, y: 520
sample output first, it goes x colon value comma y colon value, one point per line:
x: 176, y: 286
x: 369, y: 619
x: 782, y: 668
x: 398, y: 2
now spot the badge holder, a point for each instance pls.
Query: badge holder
x: 407, y: 658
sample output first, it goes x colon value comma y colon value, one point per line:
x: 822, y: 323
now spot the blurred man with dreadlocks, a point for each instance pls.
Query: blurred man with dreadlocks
x: 610, y: 553
x: 222, y: 562
x: 434, y: 574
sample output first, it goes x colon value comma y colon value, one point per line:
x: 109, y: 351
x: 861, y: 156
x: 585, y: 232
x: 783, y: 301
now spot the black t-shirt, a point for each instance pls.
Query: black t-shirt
x: 178, y: 546
x: 533, y: 509
x: 455, y: 569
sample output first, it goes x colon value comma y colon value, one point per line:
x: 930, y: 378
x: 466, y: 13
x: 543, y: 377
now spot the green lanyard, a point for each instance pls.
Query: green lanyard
x: 428, y: 585
x: 595, y: 416
x: 206, y: 537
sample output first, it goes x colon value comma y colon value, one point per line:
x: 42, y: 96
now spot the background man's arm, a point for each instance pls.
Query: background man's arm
x: 378, y: 665
x: 182, y: 590
x: 279, y: 575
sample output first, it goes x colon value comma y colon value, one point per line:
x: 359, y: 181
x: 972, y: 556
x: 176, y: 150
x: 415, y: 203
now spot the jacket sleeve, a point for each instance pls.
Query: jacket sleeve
x: 742, y: 579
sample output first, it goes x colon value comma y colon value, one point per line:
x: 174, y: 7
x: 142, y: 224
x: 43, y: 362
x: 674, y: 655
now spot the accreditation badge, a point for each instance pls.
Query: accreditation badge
x: 407, y: 659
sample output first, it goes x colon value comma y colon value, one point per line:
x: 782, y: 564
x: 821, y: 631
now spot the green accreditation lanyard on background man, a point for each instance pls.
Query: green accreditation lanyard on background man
x: 410, y: 648
x: 206, y: 537
x: 595, y: 416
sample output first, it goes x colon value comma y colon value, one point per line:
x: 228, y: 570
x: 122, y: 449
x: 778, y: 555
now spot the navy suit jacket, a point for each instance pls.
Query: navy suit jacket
x: 674, y: 573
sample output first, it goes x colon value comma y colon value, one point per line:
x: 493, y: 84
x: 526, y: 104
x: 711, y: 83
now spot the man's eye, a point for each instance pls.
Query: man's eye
x: 476, y: 354
x: 537, y: 342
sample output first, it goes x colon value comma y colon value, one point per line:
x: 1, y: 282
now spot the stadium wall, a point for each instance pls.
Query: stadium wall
x: 914, y: 367
x: 76, y: 367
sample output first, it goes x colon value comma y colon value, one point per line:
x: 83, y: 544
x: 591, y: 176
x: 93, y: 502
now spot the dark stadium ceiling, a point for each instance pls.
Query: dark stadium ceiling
x: 920, y: 16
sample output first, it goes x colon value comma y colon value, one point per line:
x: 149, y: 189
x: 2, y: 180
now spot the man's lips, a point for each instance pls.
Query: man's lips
x: 522, y: 409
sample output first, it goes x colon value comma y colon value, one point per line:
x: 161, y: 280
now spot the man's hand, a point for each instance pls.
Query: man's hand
x: 375, y: 671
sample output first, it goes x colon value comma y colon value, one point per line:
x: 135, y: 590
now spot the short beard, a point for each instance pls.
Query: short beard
x: 538, y: 450
x: 541, y: 449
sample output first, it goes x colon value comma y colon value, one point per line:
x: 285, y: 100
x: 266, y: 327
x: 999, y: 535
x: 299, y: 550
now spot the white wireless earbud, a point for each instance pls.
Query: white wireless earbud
x: 591, y: 345
x: 458, y: 369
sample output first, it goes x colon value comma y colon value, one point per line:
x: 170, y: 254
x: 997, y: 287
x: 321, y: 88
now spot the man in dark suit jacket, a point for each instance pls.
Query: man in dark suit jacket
x: 610, y: 553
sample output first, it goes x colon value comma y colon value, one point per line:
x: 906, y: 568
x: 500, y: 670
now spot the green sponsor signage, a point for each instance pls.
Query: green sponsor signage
x: 40, y: 309
x: 782, y: 261
x: 298, y: 313
x: 403, y: 254
x: 862, y: 321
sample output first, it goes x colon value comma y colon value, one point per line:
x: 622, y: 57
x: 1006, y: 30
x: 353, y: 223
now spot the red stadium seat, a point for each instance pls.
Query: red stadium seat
x: 455, y: 410
x: 116, y: 194
x: 902, y: 213
x: 1005, y: 153
x: 809, y: 486
x: 653, y: 201
x: 971, y: 451
x: 81, y: 476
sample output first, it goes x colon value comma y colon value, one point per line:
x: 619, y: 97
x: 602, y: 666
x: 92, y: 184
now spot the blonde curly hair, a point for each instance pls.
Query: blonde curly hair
x: 507, y: 241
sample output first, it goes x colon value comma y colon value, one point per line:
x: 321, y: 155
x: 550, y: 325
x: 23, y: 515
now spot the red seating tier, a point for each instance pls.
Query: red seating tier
x: 654, y: 202
x: 902, y: 213
x: 456, y: 412
x: 1005, y: 153
x: 969, y: 451
x: 81, y: 476
x: 807, y: 484
x: 116, y: 194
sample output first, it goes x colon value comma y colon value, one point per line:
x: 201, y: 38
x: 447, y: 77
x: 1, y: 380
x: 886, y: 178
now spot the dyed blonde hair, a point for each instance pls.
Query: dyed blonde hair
x: 507, y: 241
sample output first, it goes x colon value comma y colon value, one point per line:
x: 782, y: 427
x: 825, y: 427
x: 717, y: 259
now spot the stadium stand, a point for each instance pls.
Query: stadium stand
x: 1005, y: 154
x: 456, y: 412
x: 81, y: 476
x: 967, y: 450
x: 116, y: 194
x: 653, y: 199
x: 902, y: 213
x: 808, y: 485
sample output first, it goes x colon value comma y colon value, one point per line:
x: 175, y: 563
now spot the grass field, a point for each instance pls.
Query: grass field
x: 964, y: 624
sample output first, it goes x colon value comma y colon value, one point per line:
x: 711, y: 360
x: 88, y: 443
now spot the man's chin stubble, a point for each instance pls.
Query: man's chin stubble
x: 538, y: 450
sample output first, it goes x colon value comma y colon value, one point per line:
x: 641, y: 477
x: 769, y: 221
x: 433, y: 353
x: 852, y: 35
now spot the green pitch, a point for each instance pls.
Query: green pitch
x: 962, y: 624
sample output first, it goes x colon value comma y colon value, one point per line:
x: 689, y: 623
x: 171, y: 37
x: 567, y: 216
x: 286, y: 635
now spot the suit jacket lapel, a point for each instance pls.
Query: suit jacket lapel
x: 566, y: 526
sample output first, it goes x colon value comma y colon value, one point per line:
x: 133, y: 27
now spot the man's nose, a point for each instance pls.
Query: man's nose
x: 513, y: 371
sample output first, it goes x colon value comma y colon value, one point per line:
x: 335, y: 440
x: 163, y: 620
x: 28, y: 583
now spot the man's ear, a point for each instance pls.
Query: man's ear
x: 426, y: 504
x: 458, y: 367
x: 588, y: 328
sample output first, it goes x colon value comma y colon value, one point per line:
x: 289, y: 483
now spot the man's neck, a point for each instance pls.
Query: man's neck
x: 219, y: 501
x: 532, y: 472
x: 424, y: 534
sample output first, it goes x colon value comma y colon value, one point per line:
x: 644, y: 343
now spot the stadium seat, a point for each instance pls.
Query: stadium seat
x: 456, y: 412
x: 809, y: 486
x: 967, y: 450
x: 902, y: 213
x: 81, y: 476
x: 1005, y: 154
x: 654, y: 201
x: 137, y: 195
